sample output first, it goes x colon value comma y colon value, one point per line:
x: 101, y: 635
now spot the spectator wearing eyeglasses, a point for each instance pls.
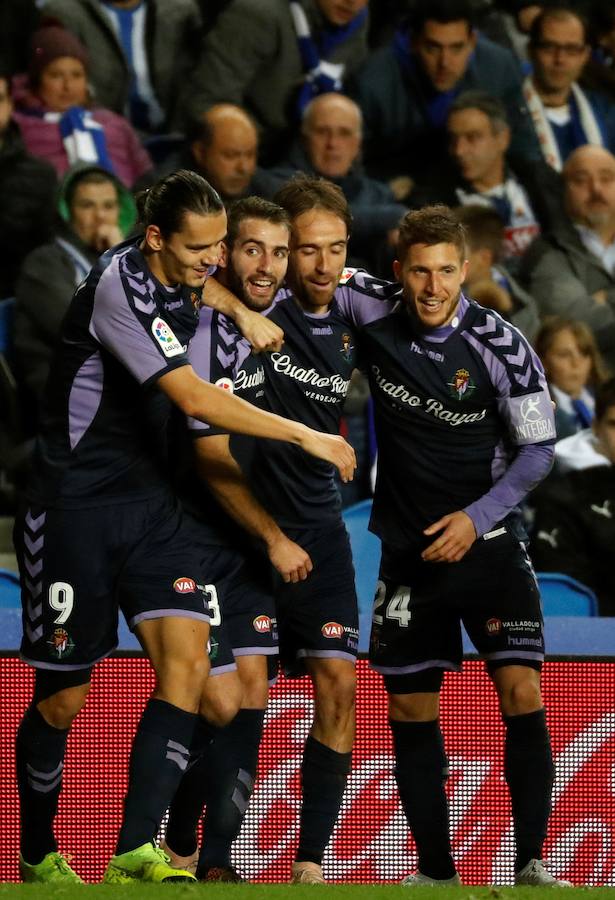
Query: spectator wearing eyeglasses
x: 565, y: 116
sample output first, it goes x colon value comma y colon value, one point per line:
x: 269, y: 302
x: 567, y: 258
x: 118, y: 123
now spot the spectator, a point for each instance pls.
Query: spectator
x: 488, y: 281
x: 141, y: 52
x: 564, y: 115
x: 405, y: 90
x: 273, y: 56
x: 51, y: 109
x: 574, y: 370
x: 27, y: 187
x: 571, y: 270
x: 222, y: 146
x: 95, y: 212
x: 330, y: 146
x: 574, y: 526
x: 527, y: 196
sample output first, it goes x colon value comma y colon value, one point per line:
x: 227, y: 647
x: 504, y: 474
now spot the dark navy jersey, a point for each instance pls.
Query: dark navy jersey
x: 307, y: 380
x: 454, y: 409
x: 104, y: 416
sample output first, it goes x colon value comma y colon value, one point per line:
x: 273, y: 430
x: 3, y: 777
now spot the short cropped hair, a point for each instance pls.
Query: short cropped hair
x: 486, y: 103
x: 253, y: 208
x: 431, y: 225
x: 484, y: 227
x: 556, y: 14
x: 442, y: 11
x: 166, y: 203
x: 89, y: 176
x: 305, y: 192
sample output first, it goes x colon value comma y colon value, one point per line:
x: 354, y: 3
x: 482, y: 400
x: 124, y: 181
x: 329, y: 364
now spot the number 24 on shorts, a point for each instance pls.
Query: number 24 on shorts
x: 397, y: 606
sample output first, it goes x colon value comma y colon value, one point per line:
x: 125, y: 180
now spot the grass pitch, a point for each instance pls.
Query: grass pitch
x: 296, y: 892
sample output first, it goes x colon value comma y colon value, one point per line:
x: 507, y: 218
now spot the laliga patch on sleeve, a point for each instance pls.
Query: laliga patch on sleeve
x: 225, y: 383
x: 532, y: 418
x: 165, y: 337
x: 347, y: 275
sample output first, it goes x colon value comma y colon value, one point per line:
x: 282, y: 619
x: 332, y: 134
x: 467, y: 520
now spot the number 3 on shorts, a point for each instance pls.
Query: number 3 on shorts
x: 214, y: 605
x: 397, y: 607
x: 61, y: 600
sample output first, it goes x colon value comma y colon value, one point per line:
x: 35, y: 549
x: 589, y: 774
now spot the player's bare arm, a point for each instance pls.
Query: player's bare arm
x: 260, y: 332
x: 224, y: 477
x: 200, y: 400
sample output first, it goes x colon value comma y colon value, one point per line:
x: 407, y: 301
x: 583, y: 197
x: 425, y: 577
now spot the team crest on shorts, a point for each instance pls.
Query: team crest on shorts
x: 332, y: 630
x: 461, y: 385
x: 184, y: 585
x: 262, y: 624
x: 60, y: 644
x: 493, y: 627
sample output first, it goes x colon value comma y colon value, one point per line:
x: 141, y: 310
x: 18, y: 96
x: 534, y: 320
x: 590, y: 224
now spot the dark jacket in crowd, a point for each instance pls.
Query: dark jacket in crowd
x: 251, y: 58
x: 27, y: 207
x: 563, y: 275
x: 46, y: 284
x: 172, y: 36
x: 393, y: 93
x: 574, y: 530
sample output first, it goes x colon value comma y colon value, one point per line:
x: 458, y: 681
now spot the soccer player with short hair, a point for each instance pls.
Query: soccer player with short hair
x: 103, y: 529
x: 465, y: 429
x: 308, y: 378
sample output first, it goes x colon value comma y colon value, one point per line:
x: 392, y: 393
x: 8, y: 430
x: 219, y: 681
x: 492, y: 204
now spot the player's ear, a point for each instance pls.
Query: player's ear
x: 397, y: 269
x: 153, y: 237
x: 464, y: 270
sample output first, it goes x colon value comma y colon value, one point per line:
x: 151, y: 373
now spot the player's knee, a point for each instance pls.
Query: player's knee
x: 61, y: 708
x: 336, y: 693
x: 520, y: 696
x: 184, y: 675
x: 221, y: 699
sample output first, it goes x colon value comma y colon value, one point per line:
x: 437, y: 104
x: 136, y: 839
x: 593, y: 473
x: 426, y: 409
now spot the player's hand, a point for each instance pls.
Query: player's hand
x: 289, y: 559
x: 259, y: 331
x: 457, y: 536
x: 332, y: 448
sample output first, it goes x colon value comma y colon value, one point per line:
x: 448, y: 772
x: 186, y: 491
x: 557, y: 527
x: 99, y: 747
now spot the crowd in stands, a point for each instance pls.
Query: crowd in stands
x: 503, y: 109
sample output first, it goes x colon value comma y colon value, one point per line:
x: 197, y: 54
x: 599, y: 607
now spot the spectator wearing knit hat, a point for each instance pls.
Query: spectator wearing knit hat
x: 53, y: 113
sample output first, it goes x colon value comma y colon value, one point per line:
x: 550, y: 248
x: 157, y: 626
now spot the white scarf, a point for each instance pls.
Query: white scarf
x: 542, y: 126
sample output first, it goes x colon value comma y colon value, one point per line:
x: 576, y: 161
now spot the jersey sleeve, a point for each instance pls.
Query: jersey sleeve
x: 523, y: 398
x: 126, y: 322
x: 525, y: 408
x: 216, y: 353
x: 362, y: 298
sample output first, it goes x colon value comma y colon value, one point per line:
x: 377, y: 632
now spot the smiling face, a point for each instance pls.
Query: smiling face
x: 318, y: 255
x: 258, y: 261
x: 184, y: 256
x: 431, y: 277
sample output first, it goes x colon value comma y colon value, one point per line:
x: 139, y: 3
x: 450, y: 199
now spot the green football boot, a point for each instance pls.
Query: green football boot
x: 146, y: 863
x: 53, y: 868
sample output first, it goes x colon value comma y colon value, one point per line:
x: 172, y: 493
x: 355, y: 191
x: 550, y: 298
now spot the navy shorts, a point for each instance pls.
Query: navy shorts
x: 319, y: 617
x: 419, y: 608
x: 80, y: 566
x: 239, y: 590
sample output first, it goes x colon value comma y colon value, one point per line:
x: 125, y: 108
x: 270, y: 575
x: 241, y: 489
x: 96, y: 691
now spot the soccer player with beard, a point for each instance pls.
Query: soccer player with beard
x: 316, y: 606
x: 97, y: 476
x: 465, y: 429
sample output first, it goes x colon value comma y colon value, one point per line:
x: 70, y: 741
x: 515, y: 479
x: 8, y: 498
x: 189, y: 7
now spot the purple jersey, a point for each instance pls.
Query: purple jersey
x: 104, y: 418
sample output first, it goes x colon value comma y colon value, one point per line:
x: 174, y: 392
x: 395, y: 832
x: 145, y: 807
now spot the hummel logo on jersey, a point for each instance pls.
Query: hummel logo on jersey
x: 549, y: 536
x: 604, y: 510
